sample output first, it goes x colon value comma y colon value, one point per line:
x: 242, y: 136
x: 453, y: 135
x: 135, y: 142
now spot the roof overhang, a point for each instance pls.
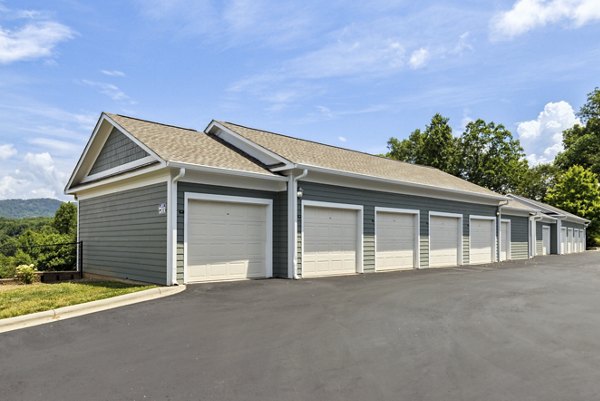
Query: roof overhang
x: 220, y: 170
x: 443, y: 193
x: 550, y: 212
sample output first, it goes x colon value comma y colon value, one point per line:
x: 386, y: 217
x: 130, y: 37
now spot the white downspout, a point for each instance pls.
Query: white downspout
x: 559, y: 220
x: 499, y: 232
x: 172, y: 227
x: 293, y: 224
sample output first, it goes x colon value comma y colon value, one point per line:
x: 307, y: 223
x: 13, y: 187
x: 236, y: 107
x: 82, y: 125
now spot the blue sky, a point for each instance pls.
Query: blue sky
x: 339, y: 72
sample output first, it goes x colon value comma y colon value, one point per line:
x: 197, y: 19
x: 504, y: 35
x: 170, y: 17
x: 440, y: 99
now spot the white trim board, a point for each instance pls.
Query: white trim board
x: 494, y: 231
x: 417, y: 242
x: 509, y: 236
x: 460, y: 217
x: 231, y: 199
x: 359, y: 230
x: 118, y: 169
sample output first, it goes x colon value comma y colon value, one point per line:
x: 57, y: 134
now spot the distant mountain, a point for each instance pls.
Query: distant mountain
x: 19, y: 208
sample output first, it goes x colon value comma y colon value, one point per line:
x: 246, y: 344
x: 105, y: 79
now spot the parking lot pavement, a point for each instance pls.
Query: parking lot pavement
x: 510, y: 331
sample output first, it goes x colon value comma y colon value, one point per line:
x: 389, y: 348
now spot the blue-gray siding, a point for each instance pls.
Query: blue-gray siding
x: 279, y: 220
x: 117, y: 150
x: 124, y: 236
x: 370, y: 199
x: 519, y: 236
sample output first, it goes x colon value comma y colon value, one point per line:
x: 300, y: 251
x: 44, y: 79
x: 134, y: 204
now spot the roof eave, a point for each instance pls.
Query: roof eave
x: 398, y: 182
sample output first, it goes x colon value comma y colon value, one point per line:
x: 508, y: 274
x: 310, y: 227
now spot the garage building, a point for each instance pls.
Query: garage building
x: 168, y: 205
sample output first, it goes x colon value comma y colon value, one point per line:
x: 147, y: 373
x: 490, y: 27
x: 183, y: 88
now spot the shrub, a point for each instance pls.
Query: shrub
x: 7, y: 271
x: 25, y: 273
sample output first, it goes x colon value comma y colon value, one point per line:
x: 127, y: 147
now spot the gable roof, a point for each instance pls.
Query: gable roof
x: 187, y: 146
x: 547, y: 209
x: 313, y: 154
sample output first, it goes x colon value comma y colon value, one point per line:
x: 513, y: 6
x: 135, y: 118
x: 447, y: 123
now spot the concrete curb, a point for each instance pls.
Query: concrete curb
x: 67, y: 312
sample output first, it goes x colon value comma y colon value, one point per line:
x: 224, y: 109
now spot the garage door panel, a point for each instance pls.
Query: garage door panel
x: 444, y: 241
x: 395, y: 241
x: 482, y: 240
x: 330, y: 241
x: 226, y: 241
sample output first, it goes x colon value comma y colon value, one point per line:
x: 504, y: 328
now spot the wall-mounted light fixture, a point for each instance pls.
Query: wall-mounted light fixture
x: 300, y: 192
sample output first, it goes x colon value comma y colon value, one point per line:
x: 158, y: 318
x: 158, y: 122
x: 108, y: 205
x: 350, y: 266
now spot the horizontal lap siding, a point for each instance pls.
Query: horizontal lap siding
x: 124, y: 236
x: 279, y: 220
x: 371, y: 199
x: 117, y: 150
x: 519, y: 236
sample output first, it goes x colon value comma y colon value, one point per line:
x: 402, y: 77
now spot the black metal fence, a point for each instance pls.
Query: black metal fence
x: 57, y: 257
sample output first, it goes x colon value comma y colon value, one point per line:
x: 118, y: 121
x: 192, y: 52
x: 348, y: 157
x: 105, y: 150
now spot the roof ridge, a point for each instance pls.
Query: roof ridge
x: 332, y: 146
x: 155, y: 122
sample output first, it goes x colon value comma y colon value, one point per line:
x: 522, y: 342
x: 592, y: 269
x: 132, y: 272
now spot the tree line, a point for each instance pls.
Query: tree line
x: 26, y: 241
x: 488, y: 155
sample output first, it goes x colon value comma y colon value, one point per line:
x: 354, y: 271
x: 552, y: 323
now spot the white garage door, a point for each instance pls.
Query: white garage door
x: 563, y: 240
x: 330, y: 241
x: 226, y: 241
x: 482, y: 240
x: 578, y: 240
x: 545, y: 240
x: 444, y: 241
x: 504, y: 240
x: 396, y: 240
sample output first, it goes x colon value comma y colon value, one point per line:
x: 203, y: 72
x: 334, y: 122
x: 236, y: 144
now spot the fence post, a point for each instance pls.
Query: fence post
x: 80, y: 259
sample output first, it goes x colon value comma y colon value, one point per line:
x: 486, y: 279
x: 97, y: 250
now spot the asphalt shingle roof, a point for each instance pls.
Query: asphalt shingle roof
x: 315, y: 154
x: 186, y: 145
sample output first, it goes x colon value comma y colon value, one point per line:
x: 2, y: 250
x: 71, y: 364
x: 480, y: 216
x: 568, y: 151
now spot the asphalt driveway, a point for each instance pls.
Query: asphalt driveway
x: 512, y: 331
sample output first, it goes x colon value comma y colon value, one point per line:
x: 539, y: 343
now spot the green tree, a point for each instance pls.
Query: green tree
x: 491, y: 157
x: 65, y: 219
x: 582, y: 142
x: 435, y: 146
x: 537, y: 180
x: 577, y: 191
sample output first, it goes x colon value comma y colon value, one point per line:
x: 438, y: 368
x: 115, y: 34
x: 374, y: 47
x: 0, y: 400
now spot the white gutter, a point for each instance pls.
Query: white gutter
x: 172, y: 227
x: 398, y: 182
x: 220, y: 170
x: 293, y: 224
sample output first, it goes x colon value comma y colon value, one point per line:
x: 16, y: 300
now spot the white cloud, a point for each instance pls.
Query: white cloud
x: 113, y: 73
x: 542, y: 138
x: 527, y: 15
x: 342, y: 138
x: 7, y: 151
x: 110, y: 90
x: 36, y: 176
x: 418, y: 58
x: 31, y: 41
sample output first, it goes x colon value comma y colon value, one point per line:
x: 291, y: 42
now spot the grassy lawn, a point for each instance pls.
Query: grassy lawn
x: 16, y: 300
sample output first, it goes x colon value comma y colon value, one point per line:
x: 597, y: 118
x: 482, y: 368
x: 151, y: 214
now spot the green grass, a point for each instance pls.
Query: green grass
x: 24, y: 299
